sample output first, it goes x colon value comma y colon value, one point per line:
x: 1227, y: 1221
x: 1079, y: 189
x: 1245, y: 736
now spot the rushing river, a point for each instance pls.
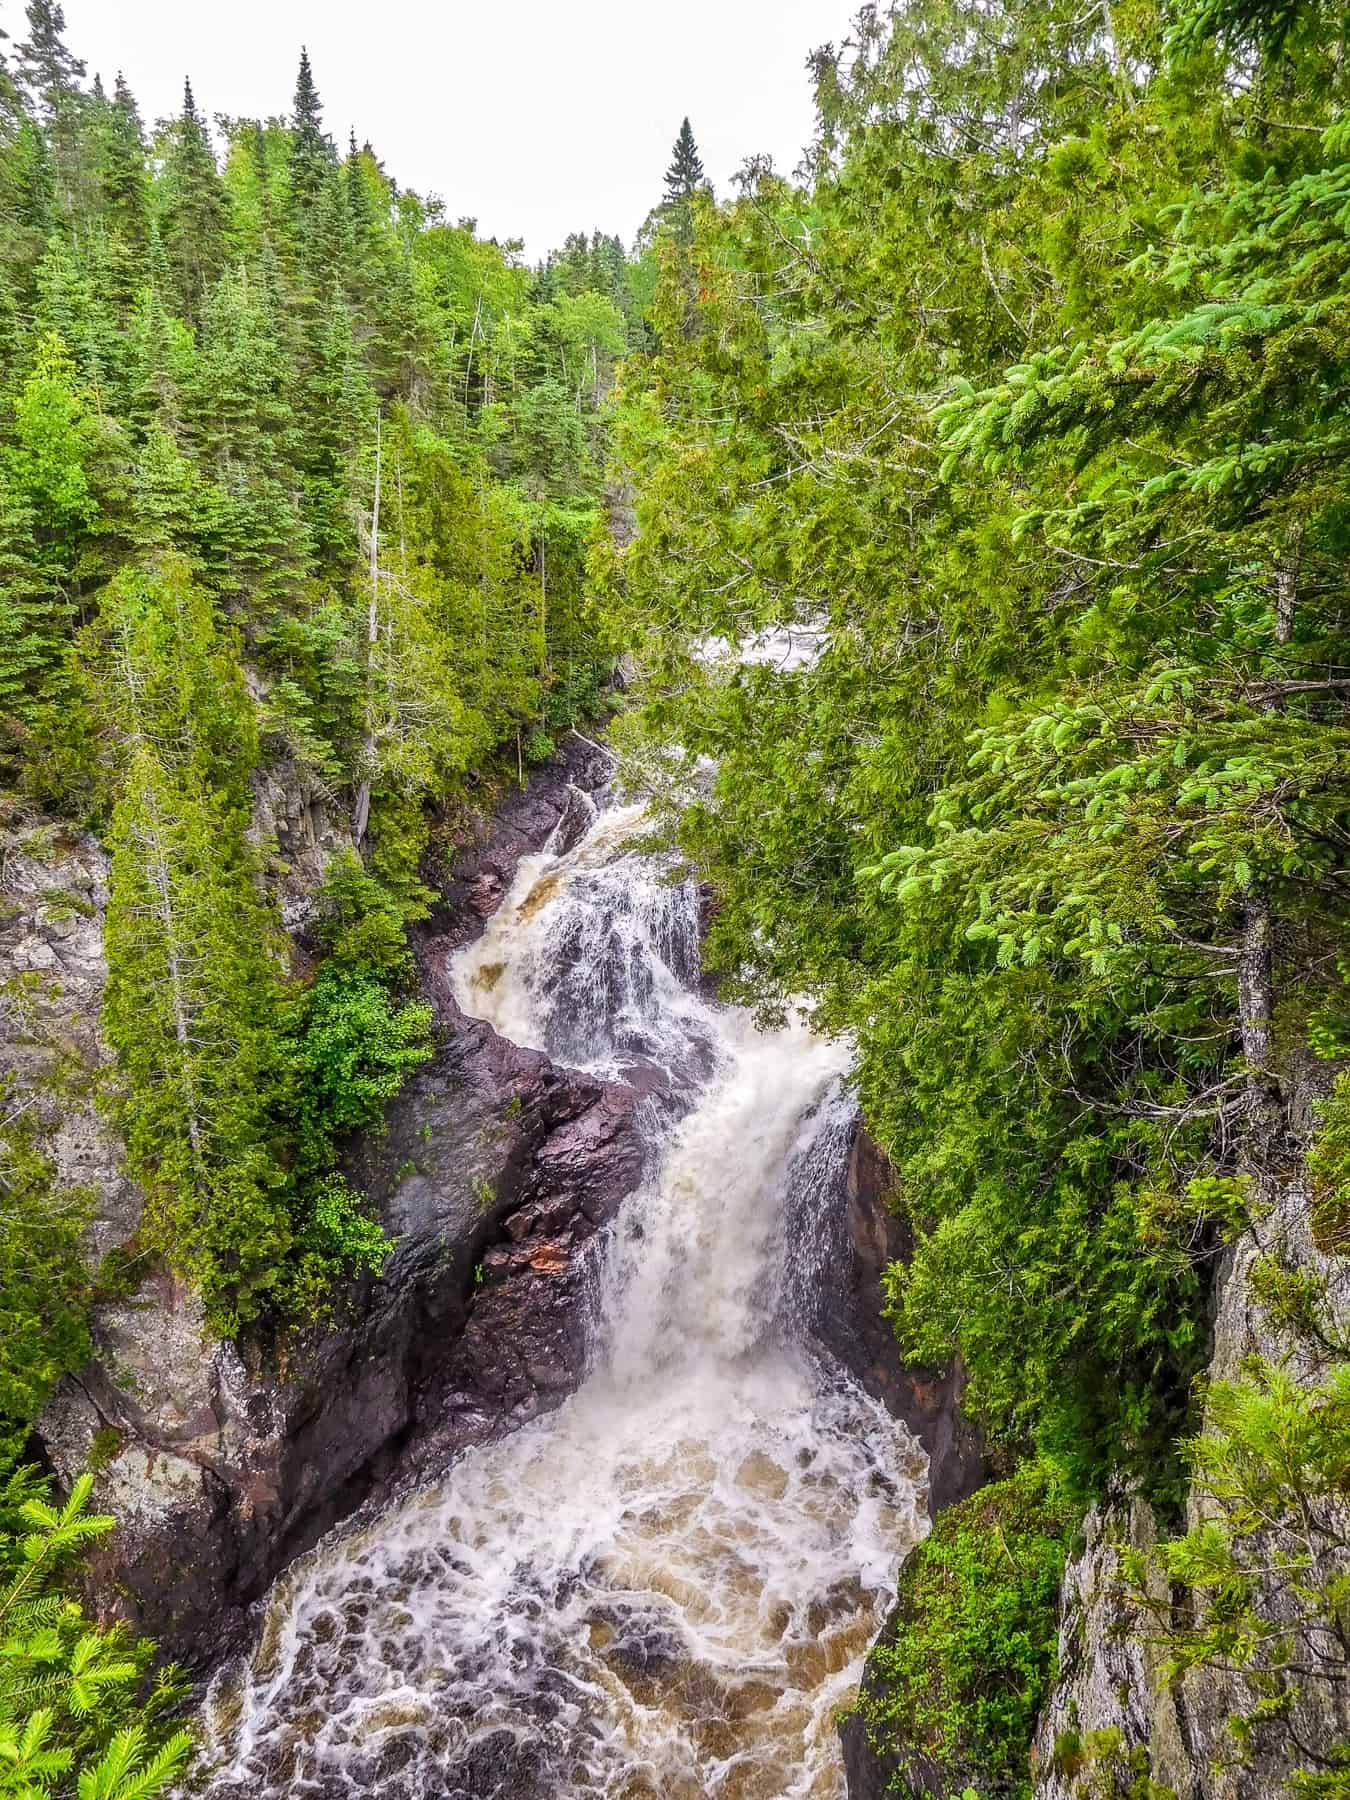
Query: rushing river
x: 664, y: 1588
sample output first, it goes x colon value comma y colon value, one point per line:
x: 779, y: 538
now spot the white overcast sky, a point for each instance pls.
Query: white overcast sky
x: 537, y: 117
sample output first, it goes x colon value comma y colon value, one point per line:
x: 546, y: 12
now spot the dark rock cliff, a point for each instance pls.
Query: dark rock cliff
x: 927, y: 1400
x: 852, y: 1324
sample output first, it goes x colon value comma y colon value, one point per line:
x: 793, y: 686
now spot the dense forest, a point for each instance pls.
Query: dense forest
x: 1006, y: 441
x: 1013, y: 436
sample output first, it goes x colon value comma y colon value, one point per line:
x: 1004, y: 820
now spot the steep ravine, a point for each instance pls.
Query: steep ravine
x: 666, y: 1585
x: 223, y: 1463
x: 499, y: 1169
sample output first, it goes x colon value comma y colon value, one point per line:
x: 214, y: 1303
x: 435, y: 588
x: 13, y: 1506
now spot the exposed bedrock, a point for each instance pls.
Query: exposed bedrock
x: 851, y: 1323
x: 496, y: 1171
x: 1107, y: 1681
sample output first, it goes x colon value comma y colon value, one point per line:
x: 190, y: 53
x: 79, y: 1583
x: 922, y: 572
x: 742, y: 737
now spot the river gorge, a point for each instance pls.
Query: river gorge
x: 667, y: 1585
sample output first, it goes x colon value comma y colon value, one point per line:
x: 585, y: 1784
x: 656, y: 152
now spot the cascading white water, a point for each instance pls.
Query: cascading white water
x: 666, y: 1586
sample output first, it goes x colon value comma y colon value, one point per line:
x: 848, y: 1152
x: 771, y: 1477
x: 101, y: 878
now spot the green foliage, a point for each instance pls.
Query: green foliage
x: 193, y: 984
x: 1011, y: 448
x: 232, y: 1093
x: 292, y: 472
x: 44, y: 1288
x: 959, y: 1675
x: 1261, y: 1577
x: 1329, y: 1169
x: 82, y: 1713
x: 360, y: 926
x: 353, y: 1056
x: 685, y: 174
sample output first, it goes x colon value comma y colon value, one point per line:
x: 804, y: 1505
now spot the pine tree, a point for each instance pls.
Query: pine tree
x: 191, y: 1011
x: 80, y: 1712
x: 193, y: 1001
x: 685, y: 175
x: 196, y: 215
x: 11, y: 100
x: 50, y: 459
x: 51, y: 75
x: 243, y: 423
x: 47, y: 68
x: 312, y: 153
x: 35, y: 627
x: 124, y: 179
x: 334, y: 405
x: 161, y: 357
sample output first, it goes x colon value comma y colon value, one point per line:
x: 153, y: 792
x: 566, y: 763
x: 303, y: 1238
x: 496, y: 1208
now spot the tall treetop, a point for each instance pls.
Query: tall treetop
x: 312, y: 153
x: 685, y: 173
x: 46, y: 66
x: 308, y: 108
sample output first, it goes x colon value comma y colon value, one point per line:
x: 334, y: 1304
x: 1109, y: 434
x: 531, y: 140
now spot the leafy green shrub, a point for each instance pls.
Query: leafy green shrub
x: 351, y: 1045
x: 82, y: 1712
x: 959, y: 1675
x: 355, y: 1051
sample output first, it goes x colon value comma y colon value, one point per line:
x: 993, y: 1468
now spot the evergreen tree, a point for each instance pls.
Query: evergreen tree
x: 192, y: 361
x: 81, y: 1713
x: 242, y: 419
x: 35, y: 625
x: 193, y: 993
x: 125, y: 182
x: 50, y: 459
x: 312, y: 154
x: 47, y: 68
x: 685, y: 175
x: 196, y: 211
x: 11, y: 100
x: 51, y: 75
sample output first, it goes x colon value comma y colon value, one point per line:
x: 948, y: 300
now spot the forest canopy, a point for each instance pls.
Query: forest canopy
x: 297, y: 477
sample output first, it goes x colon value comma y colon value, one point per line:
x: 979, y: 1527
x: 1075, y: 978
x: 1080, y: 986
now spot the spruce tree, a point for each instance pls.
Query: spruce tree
x: 685, y: 175
x: 312, y: 153
x: 124, y: 177
x: 35, y: 624
x: 11, y: 100
x: 197, y: 213
x: 243, y: 421
x: 52, y: 74
x: 47, y: 68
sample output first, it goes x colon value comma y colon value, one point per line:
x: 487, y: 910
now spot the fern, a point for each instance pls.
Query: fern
x: 81, y: 1715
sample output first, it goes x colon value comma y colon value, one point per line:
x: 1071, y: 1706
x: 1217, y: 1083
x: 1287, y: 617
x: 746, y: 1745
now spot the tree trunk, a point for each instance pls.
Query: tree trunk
x: 362, y: 815
x: 1267, y: 1125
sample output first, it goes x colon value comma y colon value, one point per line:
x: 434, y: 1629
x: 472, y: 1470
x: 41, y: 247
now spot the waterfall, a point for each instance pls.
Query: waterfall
x: 665, y: 1587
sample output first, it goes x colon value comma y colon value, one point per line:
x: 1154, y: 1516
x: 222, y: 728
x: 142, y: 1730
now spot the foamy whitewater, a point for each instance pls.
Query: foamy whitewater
x: 665, y: 1587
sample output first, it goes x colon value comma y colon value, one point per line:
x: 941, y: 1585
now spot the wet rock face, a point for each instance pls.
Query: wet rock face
x: 495, y: 1174
x: 852, y: 1325
x: 521, y: 822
